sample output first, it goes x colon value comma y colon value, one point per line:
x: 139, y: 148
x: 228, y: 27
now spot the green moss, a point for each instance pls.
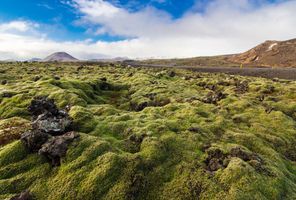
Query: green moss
x: 15, y: 106
x: 158, y: 151
x: 11, y: 153
x: 83, y: 120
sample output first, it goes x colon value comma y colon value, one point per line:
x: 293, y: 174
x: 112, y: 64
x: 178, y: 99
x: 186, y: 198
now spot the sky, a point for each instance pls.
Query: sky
x: 90, y: 29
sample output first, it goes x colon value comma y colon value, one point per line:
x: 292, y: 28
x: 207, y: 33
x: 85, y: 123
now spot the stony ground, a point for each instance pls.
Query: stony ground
x: 145, y: 134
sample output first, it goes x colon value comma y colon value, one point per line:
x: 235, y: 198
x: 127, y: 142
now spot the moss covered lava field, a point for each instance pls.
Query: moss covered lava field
x: 148, y: 133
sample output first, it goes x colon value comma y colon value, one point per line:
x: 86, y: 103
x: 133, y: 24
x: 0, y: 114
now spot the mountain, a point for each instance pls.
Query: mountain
x: 34, y: 60
x: 60, y: 56
x: 116, y: 59
x: 268, y: 54
x: 9, y: 60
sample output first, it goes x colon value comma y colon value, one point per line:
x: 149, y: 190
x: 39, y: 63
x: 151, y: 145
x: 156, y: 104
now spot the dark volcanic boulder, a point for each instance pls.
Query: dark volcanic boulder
x: 48, y: 122
x: 34, y: 139
x: 57, y: 147
x: 42, y: 105
x: 22, y: 196
x: 47, y: 117
x: 53, y: 124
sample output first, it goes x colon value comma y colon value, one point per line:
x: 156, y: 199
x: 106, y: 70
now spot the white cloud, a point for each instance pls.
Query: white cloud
x: 19, y: 26
x: 226, y: 26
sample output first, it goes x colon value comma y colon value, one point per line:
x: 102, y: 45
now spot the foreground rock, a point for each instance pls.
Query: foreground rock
x: 47, y: 117
x: 56, y: 147
x: 53, y: 124
x: 217, y: 159
x: 34, y: 139
x: 22, y: 196
x: 49, y: 134
x: 42, y: 105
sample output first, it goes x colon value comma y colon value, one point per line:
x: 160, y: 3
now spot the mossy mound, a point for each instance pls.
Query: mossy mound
x: 150, y: 134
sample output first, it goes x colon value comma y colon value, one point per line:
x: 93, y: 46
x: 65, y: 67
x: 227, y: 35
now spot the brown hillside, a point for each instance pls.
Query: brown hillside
x: 269, y: 53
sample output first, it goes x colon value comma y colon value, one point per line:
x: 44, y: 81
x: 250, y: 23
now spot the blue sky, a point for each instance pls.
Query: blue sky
x: 145, y: 28
x: 59, y: 15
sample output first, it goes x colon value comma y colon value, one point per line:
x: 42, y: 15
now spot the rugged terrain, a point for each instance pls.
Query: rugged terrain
x: 144, y: 133
x: 267, y: 54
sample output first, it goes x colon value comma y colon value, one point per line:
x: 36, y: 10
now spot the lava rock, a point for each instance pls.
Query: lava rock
x: 80, y: 68
x: 104, y: 79
x: 56, y: 147
x: 269, y: 89
x: 47, y: 118
x: 133, y: 143
x: 224, y: 83
x: 261, y: 98
x: 214, y: 97
x: 211, y: 87
x: 187, y: 78
x: 139, y: 107
x: 4, y: 82
x: 36, y: 78
x: 34, y: 139
x: 137, y: 139
x: 105, y: 86
x: 194, y: 129
x: 215, y: 159
x: 48, y: 123
x: 7, y: 94
x: 22, y: 196
x: 42, y: 105
x: 171, y: 74
x: 130, y: 75
x: 57, y: 78
x: 53, y: 124
x: 201, y: 84
x: 241, y: 87
x: 244, y: 155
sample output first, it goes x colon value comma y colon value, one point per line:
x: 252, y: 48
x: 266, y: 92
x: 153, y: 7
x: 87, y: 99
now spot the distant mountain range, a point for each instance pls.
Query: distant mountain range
x: 116, y: 59
x: 268, y: 54
x: 65, y: 57
x: 34, y: 60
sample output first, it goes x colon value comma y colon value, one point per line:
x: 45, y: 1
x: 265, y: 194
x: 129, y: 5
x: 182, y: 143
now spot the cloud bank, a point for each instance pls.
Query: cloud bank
x: 223, y: 27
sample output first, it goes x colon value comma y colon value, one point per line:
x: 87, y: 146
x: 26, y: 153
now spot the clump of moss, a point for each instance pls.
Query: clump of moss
x: 83, y: 120
x: 12, y: 128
